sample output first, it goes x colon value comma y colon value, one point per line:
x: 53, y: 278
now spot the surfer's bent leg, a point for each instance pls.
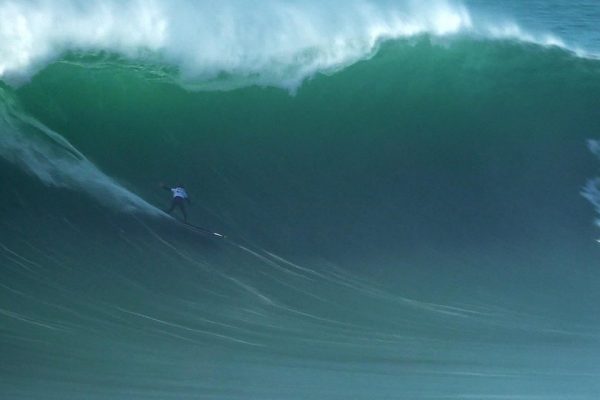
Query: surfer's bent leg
x: 173, y: 204
x: 178, y: 202
x: 182, y: 207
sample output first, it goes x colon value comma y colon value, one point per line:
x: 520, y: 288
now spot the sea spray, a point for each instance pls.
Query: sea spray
x: 278, y: 43
x: 48, y: 156
x: 591, y: 190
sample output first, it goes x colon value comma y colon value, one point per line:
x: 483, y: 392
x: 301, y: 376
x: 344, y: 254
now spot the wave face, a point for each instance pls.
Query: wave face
x: 413, y: 225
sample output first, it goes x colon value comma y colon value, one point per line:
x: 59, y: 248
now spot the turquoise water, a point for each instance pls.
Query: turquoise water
x: 409, y: 196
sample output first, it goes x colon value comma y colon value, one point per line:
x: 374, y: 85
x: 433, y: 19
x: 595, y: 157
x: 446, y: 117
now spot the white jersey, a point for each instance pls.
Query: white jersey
x: 179, y: 192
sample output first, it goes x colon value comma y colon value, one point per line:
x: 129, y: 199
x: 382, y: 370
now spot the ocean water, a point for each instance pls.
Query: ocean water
x: 410, y: 194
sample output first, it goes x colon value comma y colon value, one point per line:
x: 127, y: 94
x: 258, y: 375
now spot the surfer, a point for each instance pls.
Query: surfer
x: 180, y: 197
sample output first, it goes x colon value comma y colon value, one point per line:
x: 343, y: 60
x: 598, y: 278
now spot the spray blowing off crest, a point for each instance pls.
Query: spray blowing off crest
x: 278, y: 43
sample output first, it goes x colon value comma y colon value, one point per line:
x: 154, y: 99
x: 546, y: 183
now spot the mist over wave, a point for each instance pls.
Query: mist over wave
x: 592, y: 188
x: 278, y: 43
x: 48, y: 156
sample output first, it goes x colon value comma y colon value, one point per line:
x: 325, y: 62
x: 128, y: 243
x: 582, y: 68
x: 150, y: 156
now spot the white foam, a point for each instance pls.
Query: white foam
x: 591, y: 191
x: 594, y: 146
x: 46, y: 155
x: 269, y: 42
x: 510, y: 30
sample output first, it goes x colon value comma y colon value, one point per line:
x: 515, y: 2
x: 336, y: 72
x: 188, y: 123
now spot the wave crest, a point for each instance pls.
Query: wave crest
x: 279, y: 43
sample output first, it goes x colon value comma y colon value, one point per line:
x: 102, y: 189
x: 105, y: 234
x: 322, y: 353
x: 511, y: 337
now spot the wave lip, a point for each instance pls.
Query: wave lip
x: 277, y: 43
x: 33, y: 34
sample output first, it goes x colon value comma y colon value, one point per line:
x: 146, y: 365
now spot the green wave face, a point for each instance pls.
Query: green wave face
x: 416, y: 217
x: 458, y: 128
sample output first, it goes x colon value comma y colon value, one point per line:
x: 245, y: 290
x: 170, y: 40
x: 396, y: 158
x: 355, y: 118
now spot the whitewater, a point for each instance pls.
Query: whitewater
x: 408, y: 191
x: 274, y: 43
